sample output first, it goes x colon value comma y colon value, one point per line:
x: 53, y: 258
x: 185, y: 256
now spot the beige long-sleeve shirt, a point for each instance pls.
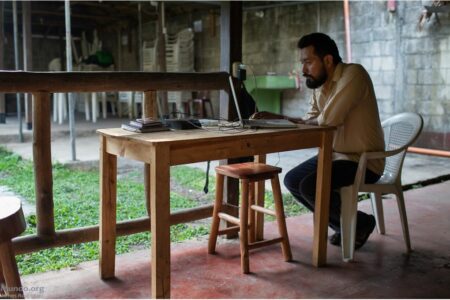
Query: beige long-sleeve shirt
x: 349, y: 103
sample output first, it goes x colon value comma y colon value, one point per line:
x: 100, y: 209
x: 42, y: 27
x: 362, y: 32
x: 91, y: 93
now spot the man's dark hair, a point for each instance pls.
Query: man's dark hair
x: 323, y: 45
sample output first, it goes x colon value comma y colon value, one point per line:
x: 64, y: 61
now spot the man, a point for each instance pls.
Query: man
x: 343, y: 97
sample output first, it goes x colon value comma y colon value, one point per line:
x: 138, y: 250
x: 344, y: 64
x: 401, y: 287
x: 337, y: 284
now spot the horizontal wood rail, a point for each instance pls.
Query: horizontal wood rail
x: 41, y: 85
x: 31, y: 243
x: 64, y: 82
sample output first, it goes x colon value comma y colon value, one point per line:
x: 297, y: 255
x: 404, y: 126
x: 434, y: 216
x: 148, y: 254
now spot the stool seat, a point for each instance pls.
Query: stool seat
x: 248, y: 174
x: 251, y: 171
x: 12, y: 221
x: 12, y: 224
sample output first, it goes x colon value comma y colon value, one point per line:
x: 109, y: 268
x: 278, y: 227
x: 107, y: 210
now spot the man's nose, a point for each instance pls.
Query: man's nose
x: 304, y: 70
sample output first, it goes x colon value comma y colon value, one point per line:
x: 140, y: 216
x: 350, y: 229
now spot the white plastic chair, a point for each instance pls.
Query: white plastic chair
x: 400, y: 131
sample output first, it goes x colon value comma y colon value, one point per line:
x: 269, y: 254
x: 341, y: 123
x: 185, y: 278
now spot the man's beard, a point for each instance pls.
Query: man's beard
x: 314, y: 83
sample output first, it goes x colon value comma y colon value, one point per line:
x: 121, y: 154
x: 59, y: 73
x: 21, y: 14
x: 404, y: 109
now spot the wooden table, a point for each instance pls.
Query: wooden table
x: 164, y: 149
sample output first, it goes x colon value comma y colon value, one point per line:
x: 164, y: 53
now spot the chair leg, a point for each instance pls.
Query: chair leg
x: 349, y: 207
x: 87, y: 111
x: 377, y: 208
x: 94, y: 107
x: 215, y: 218
x: 210, y: 108
x: 243, y: 217
x: 404, y: 219
x: 55, y: 107
x: 10, y: 271
x: 281, y: 219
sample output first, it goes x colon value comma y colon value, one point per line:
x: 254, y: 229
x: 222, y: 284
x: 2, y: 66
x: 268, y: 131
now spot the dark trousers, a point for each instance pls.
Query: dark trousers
x: 301, y: 182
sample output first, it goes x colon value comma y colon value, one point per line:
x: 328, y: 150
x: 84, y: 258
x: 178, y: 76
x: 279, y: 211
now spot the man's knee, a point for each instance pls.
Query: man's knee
x: 291, y: 182
x: 308, y: 187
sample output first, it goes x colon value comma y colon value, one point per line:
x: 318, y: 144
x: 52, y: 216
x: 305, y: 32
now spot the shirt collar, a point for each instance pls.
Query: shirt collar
x: 338, y: 72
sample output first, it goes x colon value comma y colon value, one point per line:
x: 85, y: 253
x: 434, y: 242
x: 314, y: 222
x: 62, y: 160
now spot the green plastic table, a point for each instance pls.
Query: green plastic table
x: 268, y: 89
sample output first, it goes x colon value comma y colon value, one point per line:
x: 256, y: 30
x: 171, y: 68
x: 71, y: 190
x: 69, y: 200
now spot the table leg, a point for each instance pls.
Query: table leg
x: 160, y: 222
x: 321, y: 211
x: 259, y: 199
x: 107, y: 231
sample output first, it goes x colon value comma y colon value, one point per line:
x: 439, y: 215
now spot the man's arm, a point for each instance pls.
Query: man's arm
x: 312, y: 121
x: 270, y: 115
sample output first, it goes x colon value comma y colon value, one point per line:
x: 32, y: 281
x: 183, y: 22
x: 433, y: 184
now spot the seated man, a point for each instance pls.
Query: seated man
x: 343, y: 97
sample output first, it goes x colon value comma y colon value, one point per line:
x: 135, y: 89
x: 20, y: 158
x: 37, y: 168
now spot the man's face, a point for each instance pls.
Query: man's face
x: 313, y: 68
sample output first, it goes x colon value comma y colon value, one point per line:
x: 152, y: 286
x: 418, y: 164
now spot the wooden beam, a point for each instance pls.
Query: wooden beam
x: 230, y: 51
x: 230, y: 48
x: 42, y: 157
x: 33, y: 243
x: 64, y: 82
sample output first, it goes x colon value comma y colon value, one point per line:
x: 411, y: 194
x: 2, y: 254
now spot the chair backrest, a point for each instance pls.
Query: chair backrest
x: 400, y: 131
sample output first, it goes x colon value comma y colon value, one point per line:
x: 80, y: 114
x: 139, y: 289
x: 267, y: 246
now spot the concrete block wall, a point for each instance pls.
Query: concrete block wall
x: 410, y: 68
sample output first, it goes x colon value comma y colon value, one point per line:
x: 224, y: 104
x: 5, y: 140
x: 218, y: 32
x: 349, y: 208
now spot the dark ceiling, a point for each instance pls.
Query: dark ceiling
x: 48, y: 17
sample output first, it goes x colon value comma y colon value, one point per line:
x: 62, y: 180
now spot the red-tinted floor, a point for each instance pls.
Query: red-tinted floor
x: 380, y: 270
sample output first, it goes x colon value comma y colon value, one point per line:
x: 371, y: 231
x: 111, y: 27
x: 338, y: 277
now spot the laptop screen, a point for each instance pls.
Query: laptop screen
x: 236, y: 104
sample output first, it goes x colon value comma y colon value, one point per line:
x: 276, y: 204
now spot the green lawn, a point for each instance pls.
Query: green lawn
x: 76, y: 204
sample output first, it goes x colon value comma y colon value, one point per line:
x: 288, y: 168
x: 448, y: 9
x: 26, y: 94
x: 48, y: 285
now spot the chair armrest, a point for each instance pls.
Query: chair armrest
x: 365, y: 156
x: 381, y: 154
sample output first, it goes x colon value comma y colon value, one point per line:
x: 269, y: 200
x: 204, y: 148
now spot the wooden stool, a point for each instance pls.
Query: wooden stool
x: 12, y: 224
x: 248, y: 174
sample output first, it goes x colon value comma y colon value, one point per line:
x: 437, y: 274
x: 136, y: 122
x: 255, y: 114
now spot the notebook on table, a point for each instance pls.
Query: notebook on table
x: 258, y: 123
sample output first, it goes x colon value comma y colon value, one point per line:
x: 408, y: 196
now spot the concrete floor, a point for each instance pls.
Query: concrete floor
x: 381, y: 268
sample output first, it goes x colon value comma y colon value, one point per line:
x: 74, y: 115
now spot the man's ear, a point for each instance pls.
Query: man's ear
x: 328, y: 59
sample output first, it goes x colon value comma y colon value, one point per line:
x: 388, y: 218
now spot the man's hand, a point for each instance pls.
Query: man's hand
x: 269, y: 115
x: 312, y: 121
x: 266, y: 115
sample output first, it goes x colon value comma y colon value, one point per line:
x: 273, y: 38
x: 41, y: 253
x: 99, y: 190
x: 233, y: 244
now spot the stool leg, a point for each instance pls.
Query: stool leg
x: 281, y: 221
x: 243, y: 216
x: 215, y: 218
x: 12, y: 278
x: 251, y: 214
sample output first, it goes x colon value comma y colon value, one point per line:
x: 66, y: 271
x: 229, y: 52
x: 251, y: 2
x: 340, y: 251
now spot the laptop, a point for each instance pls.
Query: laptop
x: 258, y: 123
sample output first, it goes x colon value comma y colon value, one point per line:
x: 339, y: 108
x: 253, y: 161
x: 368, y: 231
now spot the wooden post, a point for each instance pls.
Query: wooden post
x: 27, y: 57
x: 230, y: 51
x: 149, y: 110
x: 42, y: 157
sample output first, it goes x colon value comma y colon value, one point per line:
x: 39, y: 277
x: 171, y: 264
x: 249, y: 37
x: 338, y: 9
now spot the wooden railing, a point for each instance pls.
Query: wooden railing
x: 41, y: 85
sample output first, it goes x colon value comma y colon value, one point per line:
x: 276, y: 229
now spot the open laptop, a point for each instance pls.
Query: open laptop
x: 258, y: 123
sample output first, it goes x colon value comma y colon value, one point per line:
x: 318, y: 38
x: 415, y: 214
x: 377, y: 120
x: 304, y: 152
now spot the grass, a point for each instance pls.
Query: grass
x: 76, y: 204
